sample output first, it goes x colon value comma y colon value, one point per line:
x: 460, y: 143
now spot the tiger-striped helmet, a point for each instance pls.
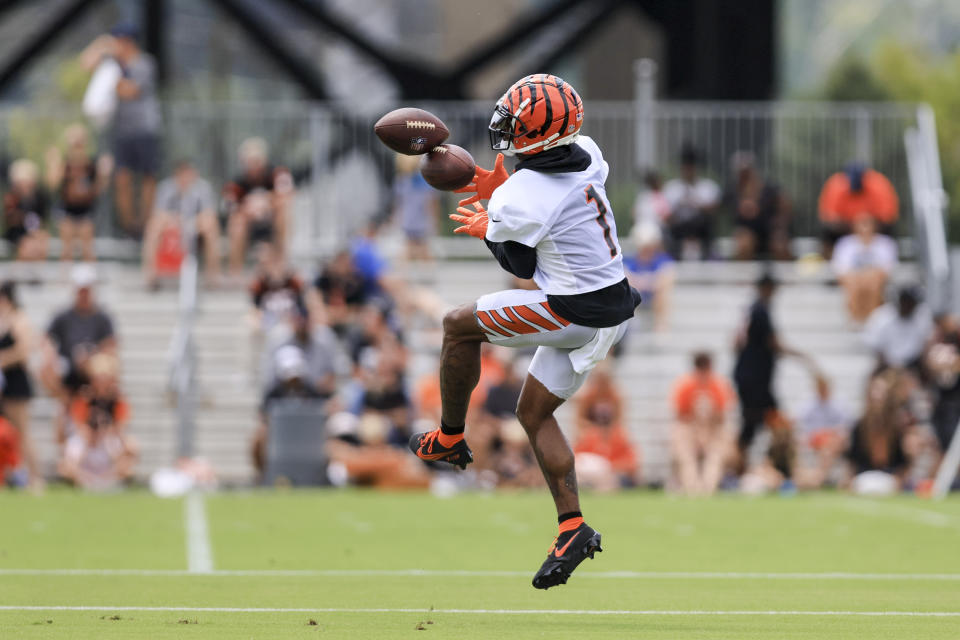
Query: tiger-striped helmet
x: 538, y: 112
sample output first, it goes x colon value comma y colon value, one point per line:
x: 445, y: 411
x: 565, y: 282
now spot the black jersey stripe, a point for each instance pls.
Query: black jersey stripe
x: 566, y: 113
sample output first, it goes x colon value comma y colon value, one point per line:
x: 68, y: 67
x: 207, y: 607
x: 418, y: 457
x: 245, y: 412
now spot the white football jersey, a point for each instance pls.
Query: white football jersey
x: 566, y: 217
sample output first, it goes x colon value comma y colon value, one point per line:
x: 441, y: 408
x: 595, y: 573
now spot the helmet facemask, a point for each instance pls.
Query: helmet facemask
x: 505, y: 127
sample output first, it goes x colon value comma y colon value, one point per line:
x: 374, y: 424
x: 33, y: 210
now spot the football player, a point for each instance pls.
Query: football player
x: 550, y: 220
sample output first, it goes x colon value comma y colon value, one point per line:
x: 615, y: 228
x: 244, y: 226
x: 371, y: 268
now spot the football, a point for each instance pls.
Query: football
x: 411, y: 131
x: 448, y: 167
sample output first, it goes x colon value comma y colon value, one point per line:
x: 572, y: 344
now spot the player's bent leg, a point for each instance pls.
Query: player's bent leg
x: 575, y: 541
x: 459, y: 374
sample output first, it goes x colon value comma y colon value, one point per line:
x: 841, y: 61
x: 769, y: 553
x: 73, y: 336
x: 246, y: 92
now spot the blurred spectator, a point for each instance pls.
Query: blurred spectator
x: 758, y: 347
x: 182, y: 197
x: 16, y: 390
x: 651, y: 272
x: 862, y: 261
x: 500, y: 444
x: 370, y: 263
x: 292, y: 382
x: 416, y: 206
x: 701, y: 441
x: 942, y: 367
x: 651, y: 206
x: 99, y: 454
x: 606, y: 460
x: 316, y: 342
x: 386, y: 410
x: 898, y: 333
x: 761, y: 213
x: 136, y: 122
x: 374, y: 335
x: 26, y: 210
x: 257, y: 203
x: 276, y: 290
x: 357, y: 457
x: 74, y: 336
x: 880, y: 440
x: 78, y: 178
x: 693, y: 201
x: 823, y: 429
x: 341, y: 289
x: 848, y: 193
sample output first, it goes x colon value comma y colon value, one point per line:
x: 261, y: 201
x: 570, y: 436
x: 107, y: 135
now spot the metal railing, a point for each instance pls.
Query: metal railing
x: 345, y: 173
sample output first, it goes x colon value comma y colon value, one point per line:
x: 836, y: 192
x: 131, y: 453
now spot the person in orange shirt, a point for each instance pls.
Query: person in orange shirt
x: 605, y: 458
x: 848, y: 193
x: 99, y: 454
x: 701, y: 440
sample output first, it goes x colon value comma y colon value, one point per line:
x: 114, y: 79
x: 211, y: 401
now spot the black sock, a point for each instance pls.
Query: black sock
x: 450, y: 431
x: 563, y: 517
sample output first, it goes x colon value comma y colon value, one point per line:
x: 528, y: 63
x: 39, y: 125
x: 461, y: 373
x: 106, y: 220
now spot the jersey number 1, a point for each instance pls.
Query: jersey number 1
x: 601, y: 218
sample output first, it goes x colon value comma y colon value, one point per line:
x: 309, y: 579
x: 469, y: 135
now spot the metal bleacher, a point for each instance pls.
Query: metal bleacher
x: 709, y: 303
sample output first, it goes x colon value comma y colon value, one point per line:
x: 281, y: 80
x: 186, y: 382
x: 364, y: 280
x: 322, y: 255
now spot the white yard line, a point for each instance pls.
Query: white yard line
x: 586, y: 612
x: 199, y: 554
x: 442, y: 573
x: 908, y: 513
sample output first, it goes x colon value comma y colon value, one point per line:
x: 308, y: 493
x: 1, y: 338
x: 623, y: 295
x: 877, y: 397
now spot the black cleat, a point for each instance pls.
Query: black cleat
x: 427, y: 447
x: 568, y: 551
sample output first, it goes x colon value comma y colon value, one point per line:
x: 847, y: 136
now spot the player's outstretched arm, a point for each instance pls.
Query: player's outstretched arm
x: 484, y: 182
x: 514, y: 257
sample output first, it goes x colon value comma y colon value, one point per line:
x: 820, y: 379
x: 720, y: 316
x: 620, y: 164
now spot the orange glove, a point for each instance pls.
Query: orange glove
x: 474, y: 222
x: 484, y: 183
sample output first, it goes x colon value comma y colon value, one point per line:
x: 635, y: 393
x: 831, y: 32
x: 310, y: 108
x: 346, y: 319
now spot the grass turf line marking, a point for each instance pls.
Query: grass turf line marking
x: 584, y: 612
x: 907, y: 513
x: 453, y: 573
x: 199, y: 554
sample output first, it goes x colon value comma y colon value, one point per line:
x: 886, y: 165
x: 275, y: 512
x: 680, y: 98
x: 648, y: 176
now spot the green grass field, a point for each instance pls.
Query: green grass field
x: 320, y: 564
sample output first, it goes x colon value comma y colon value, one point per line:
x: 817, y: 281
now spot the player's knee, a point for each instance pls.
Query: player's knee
x: 528, y: 415
x: 456, y: 322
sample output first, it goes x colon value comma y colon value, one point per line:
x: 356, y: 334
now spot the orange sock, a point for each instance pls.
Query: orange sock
x: 569, y: 524
x: 448, y: 440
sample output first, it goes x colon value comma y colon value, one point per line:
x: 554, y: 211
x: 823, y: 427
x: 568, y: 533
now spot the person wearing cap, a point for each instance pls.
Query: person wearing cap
x: 323, y: 357
x: 292, y: 382
x: 25, y: 212
x: 136, y: 122
x: 758, y: 347
x: 74, y: 336
x: 848, y: 193
x: 651, y: 271
x: 693, y: 201
x: 898, y: 332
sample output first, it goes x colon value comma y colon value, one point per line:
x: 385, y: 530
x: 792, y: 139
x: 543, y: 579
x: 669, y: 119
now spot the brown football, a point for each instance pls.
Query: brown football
x: 411, y: 131
x: 448, y: 167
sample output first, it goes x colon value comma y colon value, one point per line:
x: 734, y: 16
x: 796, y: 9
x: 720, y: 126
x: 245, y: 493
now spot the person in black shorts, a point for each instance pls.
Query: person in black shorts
x: 16, y: 390
x: 256, y: 203
x: 25, y: 212
x: 77, y: 178
x: 136, y: 125
x: 758, y: 347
